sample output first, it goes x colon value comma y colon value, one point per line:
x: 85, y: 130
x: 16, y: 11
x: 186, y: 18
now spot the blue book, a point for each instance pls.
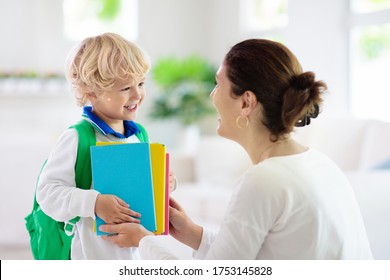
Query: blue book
x: 125, y: 171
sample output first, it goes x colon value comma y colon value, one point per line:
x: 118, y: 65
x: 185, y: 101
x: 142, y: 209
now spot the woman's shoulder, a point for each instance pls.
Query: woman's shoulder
x: 278, y: 172
x: 262, y: 179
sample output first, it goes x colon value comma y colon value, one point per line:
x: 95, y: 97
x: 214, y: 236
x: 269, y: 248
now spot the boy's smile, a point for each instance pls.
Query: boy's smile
x: 132, y: 107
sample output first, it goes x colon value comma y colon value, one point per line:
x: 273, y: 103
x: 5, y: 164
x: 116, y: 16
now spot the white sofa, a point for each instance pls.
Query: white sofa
x: 359, y: 147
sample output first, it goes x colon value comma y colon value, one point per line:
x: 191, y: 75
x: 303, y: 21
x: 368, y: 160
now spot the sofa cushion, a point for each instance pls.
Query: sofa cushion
x: 219, y: 161
x: 383, y: 165
x: 372, y: 191
x: 341, y: 139
x: 376, y: 150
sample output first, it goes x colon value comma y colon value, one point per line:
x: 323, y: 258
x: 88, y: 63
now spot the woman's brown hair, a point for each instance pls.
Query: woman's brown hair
x: 289, y: 96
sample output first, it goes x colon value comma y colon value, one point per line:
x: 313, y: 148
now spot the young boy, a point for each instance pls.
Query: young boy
x: 107, y: 72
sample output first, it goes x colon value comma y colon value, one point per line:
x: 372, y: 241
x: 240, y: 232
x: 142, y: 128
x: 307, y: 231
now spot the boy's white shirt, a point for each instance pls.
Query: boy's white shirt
x: 59, y: 198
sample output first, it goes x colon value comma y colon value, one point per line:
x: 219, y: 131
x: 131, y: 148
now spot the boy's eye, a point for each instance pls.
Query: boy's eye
x: 125, y: 89
x: 141, y: 84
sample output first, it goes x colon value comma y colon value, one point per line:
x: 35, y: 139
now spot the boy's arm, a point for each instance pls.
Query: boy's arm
x: 56, y: 190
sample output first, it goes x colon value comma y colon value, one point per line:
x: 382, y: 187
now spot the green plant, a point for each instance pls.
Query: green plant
x: 375, y: 41
x: 185, y: 85
x: 108, y: 9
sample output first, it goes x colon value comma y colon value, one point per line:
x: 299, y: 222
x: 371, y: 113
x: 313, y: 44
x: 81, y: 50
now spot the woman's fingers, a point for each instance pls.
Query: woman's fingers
x: 173, y: 203
x: 110, y: 229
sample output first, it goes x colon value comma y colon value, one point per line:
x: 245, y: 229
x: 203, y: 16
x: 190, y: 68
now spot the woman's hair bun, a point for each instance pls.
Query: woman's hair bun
x: 310, y: 92
x: 303, y: 81
x: 305, y: 120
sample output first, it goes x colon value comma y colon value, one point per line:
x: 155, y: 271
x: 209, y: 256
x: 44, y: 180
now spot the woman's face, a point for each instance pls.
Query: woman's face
x: 227, y: 107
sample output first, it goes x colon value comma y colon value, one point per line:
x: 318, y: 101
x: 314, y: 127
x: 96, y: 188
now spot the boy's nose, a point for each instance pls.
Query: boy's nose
x: 135, y: 94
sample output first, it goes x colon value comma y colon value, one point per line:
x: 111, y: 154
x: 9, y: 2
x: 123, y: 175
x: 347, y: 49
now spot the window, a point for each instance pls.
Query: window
x: 370, y: 59
x: 83, y: 18
x: 263, y: 15
x: 367, y: 6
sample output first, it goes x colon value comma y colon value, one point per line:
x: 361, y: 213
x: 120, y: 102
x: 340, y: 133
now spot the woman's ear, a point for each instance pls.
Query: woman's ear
x: 249, y: 101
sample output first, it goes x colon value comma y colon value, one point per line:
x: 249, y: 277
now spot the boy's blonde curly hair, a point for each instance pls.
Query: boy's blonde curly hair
x: 98, y: 62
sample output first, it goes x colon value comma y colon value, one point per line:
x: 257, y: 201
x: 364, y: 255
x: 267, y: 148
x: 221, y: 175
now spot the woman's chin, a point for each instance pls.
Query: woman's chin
x: 224, y: 133
x: 219, y: 131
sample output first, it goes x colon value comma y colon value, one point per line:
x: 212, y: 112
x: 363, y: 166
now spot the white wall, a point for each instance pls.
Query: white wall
x: 32, y: 35
x: 173, y: 27
x: 29, y: 128
x: 317, y: 34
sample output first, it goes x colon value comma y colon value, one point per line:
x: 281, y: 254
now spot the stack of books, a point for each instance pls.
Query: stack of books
x: 138, y: 174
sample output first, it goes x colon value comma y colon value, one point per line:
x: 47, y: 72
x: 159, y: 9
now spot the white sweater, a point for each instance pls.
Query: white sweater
x: 290, y: 207
x: 60, y: 199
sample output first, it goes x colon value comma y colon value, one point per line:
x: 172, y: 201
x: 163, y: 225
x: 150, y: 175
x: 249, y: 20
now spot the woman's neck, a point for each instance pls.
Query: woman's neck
x: 272, y: 149
x: 259, y: 147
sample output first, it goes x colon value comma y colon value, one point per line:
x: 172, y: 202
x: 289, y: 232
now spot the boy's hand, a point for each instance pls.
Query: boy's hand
x: 113, y: 210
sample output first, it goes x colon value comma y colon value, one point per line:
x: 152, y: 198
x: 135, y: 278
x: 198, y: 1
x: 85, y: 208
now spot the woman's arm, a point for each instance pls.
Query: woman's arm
x: 182, y: 228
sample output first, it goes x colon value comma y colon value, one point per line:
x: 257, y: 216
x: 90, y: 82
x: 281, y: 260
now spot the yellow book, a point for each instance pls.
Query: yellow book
x: 109, y: 143
x: 158, y: 160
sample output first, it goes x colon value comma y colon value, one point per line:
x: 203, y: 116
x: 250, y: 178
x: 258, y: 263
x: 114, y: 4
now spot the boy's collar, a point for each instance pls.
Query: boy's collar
x: 130, y: 127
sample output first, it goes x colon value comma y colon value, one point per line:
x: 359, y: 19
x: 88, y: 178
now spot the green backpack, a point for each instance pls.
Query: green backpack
x: 49, y: 239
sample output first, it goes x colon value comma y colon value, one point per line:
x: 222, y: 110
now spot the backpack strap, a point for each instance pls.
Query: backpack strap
x: 142, y: 134
x: 87, y: 138
x: 83, y: 171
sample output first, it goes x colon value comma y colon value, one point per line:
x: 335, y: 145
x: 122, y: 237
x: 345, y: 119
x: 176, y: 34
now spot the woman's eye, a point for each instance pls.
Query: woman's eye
x: 141, y: 84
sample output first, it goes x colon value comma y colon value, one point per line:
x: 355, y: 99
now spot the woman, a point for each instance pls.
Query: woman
x: 294, y: 202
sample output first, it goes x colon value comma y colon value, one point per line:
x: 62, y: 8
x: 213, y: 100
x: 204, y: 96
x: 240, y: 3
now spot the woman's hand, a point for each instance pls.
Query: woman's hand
x: 182, y: 228
x: 172, y: 182
x: 114, y: 210
x: 125, y: 235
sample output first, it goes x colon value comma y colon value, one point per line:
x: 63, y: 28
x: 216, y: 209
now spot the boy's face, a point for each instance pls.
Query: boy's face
x: 120, y: 103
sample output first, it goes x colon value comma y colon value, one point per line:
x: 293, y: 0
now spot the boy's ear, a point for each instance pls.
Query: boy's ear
x: 91, y: 96
x: 248, y: 101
